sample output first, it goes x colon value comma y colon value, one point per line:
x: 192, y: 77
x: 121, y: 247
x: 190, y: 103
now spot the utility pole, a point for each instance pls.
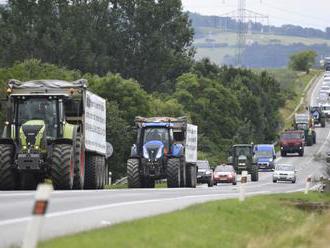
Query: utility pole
x: 243, y: 18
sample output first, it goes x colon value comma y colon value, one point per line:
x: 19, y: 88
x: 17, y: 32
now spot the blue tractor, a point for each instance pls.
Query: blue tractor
x: 166, y: 148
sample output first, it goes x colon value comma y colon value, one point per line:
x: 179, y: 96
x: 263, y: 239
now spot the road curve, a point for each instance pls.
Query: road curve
x: 74, y: 211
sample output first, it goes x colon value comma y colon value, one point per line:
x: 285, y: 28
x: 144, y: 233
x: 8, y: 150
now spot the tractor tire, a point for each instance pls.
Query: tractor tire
x: 192, y: 177
x: 173, y: 173
x: 133, y: 174
x: 254, y: 173
x: 323, y: 122
x: 62, y: 170
x: 314, y: 138
x: 301, y: 154
x: 28, y: 181
x: 309, y: 140
x: 8, y: 177
x: 283, y: 154
x: 79, y: 164
x: 93, y: 170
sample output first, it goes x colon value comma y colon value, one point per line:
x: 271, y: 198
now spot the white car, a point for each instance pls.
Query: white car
x: 284, y: 172
x: 325, y: 88
x: 326, y: 109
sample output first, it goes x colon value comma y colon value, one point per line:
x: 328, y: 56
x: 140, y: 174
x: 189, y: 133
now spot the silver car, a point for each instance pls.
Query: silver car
x: 284, y: 172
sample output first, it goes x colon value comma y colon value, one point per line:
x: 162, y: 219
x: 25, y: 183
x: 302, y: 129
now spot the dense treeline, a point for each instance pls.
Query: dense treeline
x: 146, y: 40
x: 229, y: 105
x: 275, y: 55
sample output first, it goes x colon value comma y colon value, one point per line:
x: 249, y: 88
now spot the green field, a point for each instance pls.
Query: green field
x: 263, y: 221
x: 217, y: 54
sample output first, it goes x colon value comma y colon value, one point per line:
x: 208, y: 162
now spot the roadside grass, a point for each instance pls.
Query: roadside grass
x: 294, y: 88
x: 261, y: 221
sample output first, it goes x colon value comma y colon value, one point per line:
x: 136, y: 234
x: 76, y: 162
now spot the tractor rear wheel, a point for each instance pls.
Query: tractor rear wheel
x: 8, y: 177
x: 133, y: 173
x: 254, y: 173
x: 173, y: 173
x: 322, y: 122
x: 62, y: 171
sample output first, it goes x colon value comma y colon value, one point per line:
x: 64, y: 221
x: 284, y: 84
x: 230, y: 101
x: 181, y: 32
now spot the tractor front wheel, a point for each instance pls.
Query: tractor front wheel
x: 8, y: 177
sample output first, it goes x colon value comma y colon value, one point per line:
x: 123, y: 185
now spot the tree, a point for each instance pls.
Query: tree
x: 147, y: 40
x: 302, y: 61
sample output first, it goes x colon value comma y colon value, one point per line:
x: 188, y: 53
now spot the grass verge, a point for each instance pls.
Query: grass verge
x: 263, y: 221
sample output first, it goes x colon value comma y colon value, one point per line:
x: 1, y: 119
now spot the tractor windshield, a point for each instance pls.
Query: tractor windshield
x: 38, y: 109
x: 242, y: 150
x: 160, y: 134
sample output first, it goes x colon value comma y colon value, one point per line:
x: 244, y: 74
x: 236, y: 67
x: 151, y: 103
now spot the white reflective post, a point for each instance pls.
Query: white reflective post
x: 308, y: 184
x: 39, y: 210
x: 242, y: 186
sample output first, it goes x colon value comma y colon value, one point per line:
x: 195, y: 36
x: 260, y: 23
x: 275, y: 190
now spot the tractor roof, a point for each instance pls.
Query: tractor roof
x: 47, y: 84
x: 161, y: 122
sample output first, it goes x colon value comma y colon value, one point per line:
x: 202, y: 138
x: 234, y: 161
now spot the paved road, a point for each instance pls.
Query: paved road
x: 74, y: 211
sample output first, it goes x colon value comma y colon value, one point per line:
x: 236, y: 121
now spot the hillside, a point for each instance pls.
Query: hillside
x: 220, y: 47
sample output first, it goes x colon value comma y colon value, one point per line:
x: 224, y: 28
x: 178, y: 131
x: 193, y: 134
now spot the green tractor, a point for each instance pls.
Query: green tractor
x: 242, y: 158
x: 54, y: 130
x: 305, y: 122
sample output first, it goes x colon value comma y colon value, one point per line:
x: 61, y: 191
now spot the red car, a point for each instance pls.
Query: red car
x: 224, y: 174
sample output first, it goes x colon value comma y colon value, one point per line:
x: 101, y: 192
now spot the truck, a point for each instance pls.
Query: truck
x: 305, y: 122
x: 165, y: 148
x: 327, y: 63
x: 242, y: 158
x: 54, y: 130
x: 265, y: 156
x: 292, y: 141
x: 318, y: 115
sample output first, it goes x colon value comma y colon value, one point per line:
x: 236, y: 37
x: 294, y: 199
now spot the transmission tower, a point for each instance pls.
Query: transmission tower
x: 243, y: 18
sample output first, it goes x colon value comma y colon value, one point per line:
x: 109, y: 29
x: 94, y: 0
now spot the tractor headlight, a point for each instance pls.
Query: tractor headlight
x: 159, y: 153
x: 24, y: 147
x: 36, y: 147
x: 145, y: 153
x: 271, y: 160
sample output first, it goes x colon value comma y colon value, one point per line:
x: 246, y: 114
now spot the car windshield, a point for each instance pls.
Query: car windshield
x: 202, y: 165
x: 38, y: 109
x: 283, y: 167
x: 224, y: 169
x: 288, y: 136
x: 153, y: 133
x: 242, y: 150
x: 260, y: 154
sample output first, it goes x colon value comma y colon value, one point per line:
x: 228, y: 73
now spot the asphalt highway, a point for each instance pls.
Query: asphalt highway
x: 74, y: 211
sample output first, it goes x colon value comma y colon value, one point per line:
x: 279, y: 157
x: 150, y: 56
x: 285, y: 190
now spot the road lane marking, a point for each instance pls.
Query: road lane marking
x: 121, y: 204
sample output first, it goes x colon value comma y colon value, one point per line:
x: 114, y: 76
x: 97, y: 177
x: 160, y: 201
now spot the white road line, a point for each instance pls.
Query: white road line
x: 121, y: 204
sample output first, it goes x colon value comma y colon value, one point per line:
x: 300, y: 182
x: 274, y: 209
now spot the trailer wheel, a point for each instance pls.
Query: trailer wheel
x: 192, y: 177
x: 92, y: 172
x: 134, y: 179
x: 79, y: 160
x: 8, y: 177
x: 62, y: 171
x: 254, y: 174
x: 173, y: 173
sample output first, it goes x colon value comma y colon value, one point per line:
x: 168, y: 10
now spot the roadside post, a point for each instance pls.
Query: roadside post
x: 39, y: 210
x: 242, y: 186
x: 308, y: 184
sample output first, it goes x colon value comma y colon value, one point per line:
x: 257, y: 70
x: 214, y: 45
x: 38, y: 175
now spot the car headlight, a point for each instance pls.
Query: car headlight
x: 159, y: 153
x: 208, y: 172
x: 145, y: 153
x: 271, y: 160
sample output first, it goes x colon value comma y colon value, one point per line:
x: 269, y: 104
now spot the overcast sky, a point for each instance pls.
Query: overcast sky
x: 306, y: 13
